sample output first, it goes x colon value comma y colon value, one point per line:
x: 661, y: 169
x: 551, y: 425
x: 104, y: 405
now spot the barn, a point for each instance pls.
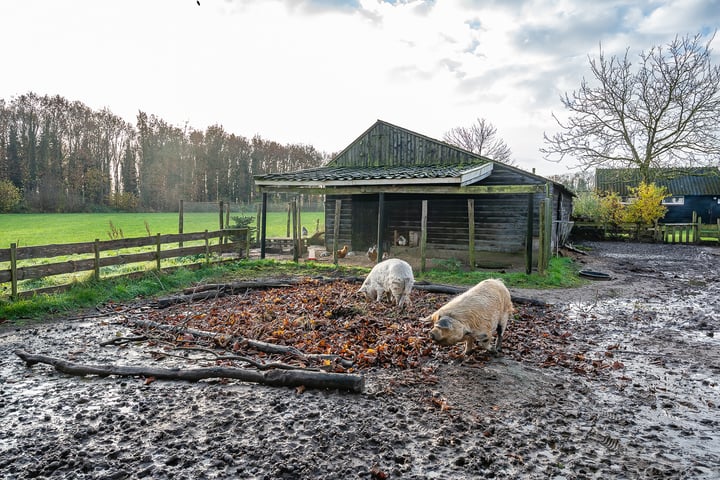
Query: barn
x: 416, y: 197
x: 692, y: 190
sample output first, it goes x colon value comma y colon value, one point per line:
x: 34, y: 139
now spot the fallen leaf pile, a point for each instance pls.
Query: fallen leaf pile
x: 331, y: 318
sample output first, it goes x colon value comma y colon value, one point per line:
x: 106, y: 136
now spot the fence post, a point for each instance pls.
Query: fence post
x: 247, y: 243
x: 222, y: 212
x: 13, y: 271
x: 207, y: 248
x: 180, y: 223
x: 257, y: 224
x: 157, y: 250
x: 296, y: 243
x: 96, y: 263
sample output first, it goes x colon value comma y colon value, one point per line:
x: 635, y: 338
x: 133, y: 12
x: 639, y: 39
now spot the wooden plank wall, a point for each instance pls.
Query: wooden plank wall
x: 500, y: 220
x: 387, y: 145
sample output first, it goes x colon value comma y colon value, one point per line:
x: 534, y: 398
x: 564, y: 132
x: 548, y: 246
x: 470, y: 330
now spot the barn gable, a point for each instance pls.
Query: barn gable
x: 387, y: 145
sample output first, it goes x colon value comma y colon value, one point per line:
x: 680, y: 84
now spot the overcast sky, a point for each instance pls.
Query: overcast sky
x: 320, y: 72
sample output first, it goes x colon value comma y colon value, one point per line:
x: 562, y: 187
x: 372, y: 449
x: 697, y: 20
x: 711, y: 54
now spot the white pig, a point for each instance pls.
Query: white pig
x: 389, y: 277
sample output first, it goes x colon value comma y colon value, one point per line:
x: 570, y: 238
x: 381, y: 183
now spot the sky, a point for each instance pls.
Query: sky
x: 320, y: 72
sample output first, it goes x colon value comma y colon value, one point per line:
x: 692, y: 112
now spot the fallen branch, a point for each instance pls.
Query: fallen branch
x: 276, y: 378
x: 239, y: 358
x: 224, y: 340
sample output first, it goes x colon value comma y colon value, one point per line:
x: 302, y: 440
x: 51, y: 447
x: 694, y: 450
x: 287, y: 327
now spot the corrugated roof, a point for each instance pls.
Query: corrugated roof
x: 678, y: 181
x: 325, y: 175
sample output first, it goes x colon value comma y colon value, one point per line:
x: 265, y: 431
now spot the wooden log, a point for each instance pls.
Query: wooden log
x: 276, y: 378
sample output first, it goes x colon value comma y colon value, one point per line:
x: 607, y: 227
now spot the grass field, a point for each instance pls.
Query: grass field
x: 59, y: 228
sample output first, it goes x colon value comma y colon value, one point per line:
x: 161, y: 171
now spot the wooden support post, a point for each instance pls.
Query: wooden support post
x: 547, y: 204
x: 381, y: 224
x: 13, y: 271
x: 263, y: 224
x: 247, y: 243
x: 298, y: 229
x: 289, y: 216
x: 471, y: 232
x: 545, y: 236
x: 336, y: 230
x: 180, y: 221
x: 423, y: 235
x: 529, y: 234
x: 541, y: 239
x: 293, y: 209
x: 96, y: 261
x: 158, y: 247
x: 257, y: 224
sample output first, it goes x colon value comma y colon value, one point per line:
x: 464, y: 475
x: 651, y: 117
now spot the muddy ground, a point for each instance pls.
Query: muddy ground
x: 654, y: 414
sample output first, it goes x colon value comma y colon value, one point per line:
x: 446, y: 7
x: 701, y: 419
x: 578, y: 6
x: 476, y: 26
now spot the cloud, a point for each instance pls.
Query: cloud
x: 320, y: 71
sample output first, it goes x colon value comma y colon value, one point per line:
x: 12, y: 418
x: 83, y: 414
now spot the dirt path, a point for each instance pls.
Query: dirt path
x: 655, y: 414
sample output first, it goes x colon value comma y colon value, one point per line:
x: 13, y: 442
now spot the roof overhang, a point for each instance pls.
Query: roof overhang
x: 375, y: 178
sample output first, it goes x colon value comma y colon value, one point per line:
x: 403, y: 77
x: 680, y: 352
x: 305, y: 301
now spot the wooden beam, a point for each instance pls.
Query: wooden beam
x: 336, y: 230
x: 423, y: 235
x: 375, y: 189
x: 529, y: 234
x: 293, y: 209
x: 471, y: 232
x: 263, y: 224
x: 381, y: 221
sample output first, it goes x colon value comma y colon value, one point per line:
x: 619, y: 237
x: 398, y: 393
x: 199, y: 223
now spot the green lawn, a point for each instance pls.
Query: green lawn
x: 58, y: 228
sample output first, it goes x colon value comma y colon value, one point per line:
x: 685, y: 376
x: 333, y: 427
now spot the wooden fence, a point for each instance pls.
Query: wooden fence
x: 694, y: 232
x: 41, y: 262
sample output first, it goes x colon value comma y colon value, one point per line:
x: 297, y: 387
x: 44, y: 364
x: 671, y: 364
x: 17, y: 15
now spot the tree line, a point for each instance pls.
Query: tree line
x: 62, y: 156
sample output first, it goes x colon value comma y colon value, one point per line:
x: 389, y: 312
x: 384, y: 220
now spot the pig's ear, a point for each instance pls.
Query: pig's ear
x: 444, y: 322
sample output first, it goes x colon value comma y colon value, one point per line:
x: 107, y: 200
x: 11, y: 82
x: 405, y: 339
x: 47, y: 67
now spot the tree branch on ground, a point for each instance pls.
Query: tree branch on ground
x: 276, y: 378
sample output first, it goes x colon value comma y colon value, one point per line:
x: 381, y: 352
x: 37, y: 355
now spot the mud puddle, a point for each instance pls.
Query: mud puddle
x: 657, y: 415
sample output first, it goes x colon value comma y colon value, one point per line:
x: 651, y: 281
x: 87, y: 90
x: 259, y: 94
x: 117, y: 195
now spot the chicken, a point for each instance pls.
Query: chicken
x: 372, y: 253
x: 342, y: 252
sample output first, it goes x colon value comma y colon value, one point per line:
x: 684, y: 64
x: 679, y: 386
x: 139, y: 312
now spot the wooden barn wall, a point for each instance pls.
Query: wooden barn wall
x: 385, y: 145
x: 706, y: 207
x: 500, y: 221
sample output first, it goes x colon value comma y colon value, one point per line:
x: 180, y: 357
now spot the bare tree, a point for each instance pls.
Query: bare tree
x: 480, y: 138
x: 665, y: 114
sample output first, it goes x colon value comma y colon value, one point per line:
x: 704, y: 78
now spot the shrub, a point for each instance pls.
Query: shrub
x: 647, y: 208
x: 587, y: 206
x: 9, y: 196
